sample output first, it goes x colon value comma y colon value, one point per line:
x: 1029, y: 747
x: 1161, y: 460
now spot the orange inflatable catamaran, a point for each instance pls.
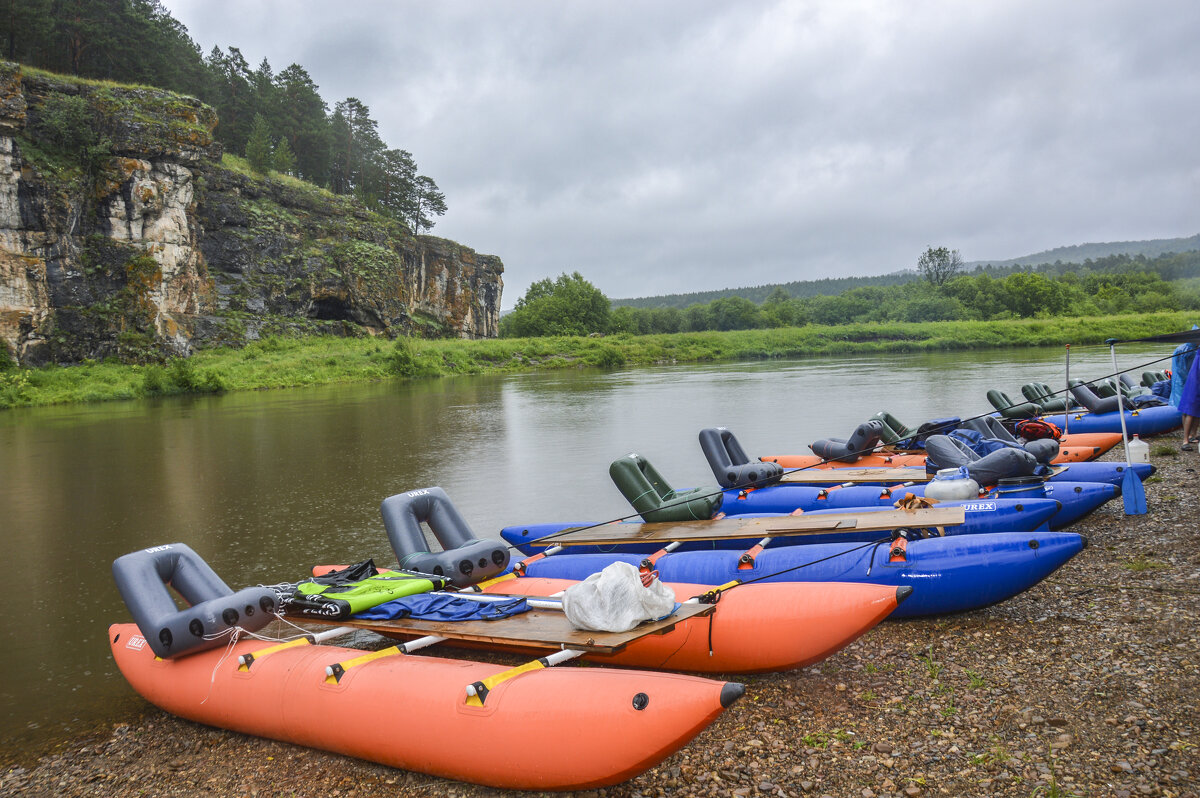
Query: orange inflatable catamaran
x: 593, y: 726
x: 458, y: 719
x: 471, y: 720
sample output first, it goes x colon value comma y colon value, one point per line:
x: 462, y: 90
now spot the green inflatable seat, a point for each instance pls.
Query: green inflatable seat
x: 1040, y: 394
x: 893, y: 428
x: 1010, y: 409
x: 645, y: 489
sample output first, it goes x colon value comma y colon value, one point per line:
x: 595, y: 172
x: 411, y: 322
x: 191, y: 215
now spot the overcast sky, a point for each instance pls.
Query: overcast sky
x: 669, y: 147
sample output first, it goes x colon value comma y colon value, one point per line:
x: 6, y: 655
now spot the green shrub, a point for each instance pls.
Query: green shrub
x: 410, y: 358
x: 610, y: 357
x: 68, y: 124
x: 14, y: 388
x: 154, y: 381
x: 181, y: 377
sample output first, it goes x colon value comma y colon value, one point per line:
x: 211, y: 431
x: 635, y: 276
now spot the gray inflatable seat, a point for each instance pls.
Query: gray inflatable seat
x: 730, y: 464
x: 1010, y: 409
x: 990, y: 427
x: 465, y: 559
x: 1044, y: 449
x: 863, y: 440
x: 142, y: 578
x: 1095, y: 404
x: 942, y: 451
x: 645, y: 489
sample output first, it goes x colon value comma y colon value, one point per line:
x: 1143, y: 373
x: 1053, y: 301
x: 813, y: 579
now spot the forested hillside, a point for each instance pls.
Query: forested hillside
x: 278, y: 120
x: 1081, y: 259
x: 1081, y: 253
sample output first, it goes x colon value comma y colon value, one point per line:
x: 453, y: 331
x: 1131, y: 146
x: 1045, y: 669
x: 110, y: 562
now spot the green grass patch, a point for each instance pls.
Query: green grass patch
x: 280, y: 362
x: 1143, y: 563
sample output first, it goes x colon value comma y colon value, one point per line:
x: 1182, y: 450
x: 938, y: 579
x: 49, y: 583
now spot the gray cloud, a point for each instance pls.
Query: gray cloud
x: 677, y: 146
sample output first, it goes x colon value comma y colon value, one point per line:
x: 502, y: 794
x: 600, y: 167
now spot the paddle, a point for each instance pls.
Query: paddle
x: 1067, y: 409
x: 1132, y: 491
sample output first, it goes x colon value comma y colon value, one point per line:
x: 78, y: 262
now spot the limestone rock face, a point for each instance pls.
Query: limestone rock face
x: 146, y: 246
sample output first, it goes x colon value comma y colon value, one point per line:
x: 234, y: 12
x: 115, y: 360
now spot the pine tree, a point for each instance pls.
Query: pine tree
x: 284, y: 160
x: 428, y: 201
x: 303, y: 117
x: 258, y: 146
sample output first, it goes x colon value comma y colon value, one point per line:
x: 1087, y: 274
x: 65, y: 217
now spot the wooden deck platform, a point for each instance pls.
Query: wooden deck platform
x: 733, y: 528
x: 818, y: 476
x: 538, y: 628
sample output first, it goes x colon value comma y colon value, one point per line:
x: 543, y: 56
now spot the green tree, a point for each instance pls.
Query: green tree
x: 398, y: 184
x: 834, y: 309
x: 697, y: 318
x: 1029, y: 294
x: 231, y: 93
x: 627, y: 320
x: 283, y: 160
x: 780, y: 310
x: 663, y: 320
x: 931, y: 307
x: 735, y: 313
x: 355, y: 168
x: 939, y: 265
x: 25, y: 30
x: 304, y: 120
x: 568, y: 305
x: 258, y: 147
x: 427, y: 201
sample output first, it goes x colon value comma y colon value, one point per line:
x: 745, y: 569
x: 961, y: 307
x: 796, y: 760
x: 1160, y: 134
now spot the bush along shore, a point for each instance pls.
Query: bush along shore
x: 292, y: 362
x: 1085, y: 685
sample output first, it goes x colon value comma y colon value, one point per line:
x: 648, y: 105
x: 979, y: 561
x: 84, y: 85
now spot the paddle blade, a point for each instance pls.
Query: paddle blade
x: 1133, y: 493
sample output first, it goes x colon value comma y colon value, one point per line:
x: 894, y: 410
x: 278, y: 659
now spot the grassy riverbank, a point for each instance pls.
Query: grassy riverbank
x: 289, y: 362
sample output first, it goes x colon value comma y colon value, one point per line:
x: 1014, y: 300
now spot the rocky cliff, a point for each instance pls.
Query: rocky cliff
x: 123, y: 232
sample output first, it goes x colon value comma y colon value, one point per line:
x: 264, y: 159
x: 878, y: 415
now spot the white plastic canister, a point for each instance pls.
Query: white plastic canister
x: 1139, y: 450
x: 952, y: 484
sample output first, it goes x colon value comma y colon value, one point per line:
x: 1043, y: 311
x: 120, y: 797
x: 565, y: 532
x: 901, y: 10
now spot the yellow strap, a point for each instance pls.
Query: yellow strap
x: 255, y: 656
x: 495, y: 580
x: 726, y: 586
x: 363, y: 660
x: 490, y: 682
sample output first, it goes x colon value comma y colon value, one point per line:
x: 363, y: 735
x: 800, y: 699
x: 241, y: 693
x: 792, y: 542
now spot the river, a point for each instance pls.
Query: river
x: 265, y: 484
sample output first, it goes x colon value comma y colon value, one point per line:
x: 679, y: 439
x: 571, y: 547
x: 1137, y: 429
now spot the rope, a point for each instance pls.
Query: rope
x: 233, y: 638
x: 866, y: 545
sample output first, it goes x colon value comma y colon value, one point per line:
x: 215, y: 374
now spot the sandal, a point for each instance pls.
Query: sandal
x: 1187, y: 447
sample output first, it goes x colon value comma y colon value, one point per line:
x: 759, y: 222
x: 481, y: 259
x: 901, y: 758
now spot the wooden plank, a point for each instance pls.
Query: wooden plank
x: 824, y: 476
x: 546, y: 629
x: 757, y: 528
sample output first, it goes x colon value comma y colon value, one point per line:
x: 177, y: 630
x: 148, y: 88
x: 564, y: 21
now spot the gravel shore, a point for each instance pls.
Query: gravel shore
x: 1086, y: 685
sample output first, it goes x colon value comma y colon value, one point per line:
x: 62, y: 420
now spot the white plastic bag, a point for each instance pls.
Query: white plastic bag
x: 615, y: 600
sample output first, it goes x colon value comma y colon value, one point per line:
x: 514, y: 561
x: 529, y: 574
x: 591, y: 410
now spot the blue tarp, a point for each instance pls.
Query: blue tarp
x: 1189, y: 401
x: 1181, y: 364
x: 445, y: 607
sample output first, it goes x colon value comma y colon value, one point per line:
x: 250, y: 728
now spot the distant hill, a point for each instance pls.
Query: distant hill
x: 832, y: 287
x: 759, y: 293
x: 1081, y: 252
